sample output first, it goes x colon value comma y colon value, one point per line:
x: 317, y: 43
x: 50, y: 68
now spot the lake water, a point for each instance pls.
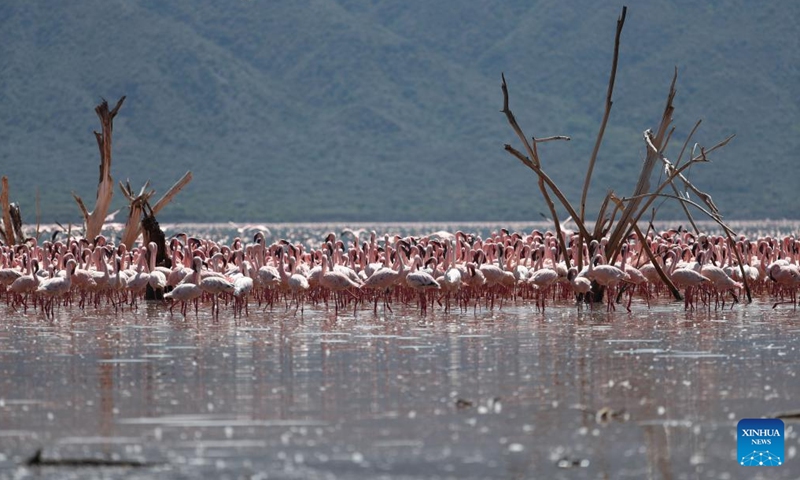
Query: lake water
x: 509, y: 393
x: 311, y: 234
x: 503, y: 393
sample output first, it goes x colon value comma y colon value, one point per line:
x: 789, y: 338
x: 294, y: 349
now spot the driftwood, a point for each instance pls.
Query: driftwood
x: 39, y: 460
x: 95, y: 219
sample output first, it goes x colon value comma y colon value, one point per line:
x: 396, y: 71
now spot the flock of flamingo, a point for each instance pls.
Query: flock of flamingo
x: 445, y: 269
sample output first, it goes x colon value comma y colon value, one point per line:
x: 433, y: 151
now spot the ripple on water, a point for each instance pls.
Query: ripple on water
x: 370, y: 396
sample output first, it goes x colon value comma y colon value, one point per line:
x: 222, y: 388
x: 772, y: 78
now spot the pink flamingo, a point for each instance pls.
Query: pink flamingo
x: 608, y: 276
x: 216, y: 285
x: 188, y: 291
x: 580, y: 285
x: 786, y: 276
x: 421, y: 282
x: 242, y: 286
x: 25, y: 285
x: 688, y: 278
x: 385, y: 278
x: 336, y: 281
x: 295, y: 282
x: 451, y: 279
x: 543, y: 279
x: 720, y: 281
x: 56, y: 287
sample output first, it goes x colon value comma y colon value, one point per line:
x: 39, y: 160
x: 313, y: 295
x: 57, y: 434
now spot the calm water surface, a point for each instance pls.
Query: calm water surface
x: 509, y: 393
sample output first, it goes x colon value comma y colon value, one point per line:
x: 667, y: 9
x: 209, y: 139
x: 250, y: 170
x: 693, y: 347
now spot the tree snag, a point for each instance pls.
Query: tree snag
x: 137, y: 203
x: 105, y: 188
x: 8, y: 229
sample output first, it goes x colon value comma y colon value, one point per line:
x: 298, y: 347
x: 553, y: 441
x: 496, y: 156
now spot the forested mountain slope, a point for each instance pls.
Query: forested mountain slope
x: 349, y: 110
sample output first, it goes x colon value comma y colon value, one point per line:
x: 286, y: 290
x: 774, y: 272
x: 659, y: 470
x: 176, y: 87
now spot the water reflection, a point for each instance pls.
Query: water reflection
x: 496, y: 394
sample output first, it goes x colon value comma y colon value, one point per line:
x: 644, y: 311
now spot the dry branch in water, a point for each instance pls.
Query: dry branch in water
x: 632, y: 208
x: 139, y: 203
x: 95, y: 219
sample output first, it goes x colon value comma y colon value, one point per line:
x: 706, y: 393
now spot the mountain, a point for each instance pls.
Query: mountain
x: 344, y: 110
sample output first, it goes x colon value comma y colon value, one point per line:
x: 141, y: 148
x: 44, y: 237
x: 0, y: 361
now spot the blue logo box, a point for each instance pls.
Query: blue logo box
x: 759, y: 442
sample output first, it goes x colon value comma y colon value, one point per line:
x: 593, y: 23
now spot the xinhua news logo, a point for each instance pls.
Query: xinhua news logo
x: 759, y: 442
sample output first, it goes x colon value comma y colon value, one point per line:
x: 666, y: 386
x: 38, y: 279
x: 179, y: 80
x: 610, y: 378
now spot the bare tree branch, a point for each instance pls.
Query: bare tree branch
x: 609, y: 103
x: 513, y: 121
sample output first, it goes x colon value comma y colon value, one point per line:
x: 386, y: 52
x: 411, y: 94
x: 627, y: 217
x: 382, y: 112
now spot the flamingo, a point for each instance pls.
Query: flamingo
x: 635, y: 277
x: 56, y: 287
x: 786, y: 276
x: 386, y: 277
x: 295, y: 282
x: 242, y: 286
x: 140, y: 279
x: 420, y: 282
x: 335, y: 280
x: 7, y: 273
x: 688, y: 278
x: 158, y: 275
x: 187, y: 292
x: 580, y: 284
x: 451, y: 280
x: 608, y: 276
x: 269, y: 279
x: 474, y: 280
x: 215, y: 286
x: 496, y: 276
x: 720, y: 281
x: 117, y: 283
x: 24, y: 285
x: 542, y: 279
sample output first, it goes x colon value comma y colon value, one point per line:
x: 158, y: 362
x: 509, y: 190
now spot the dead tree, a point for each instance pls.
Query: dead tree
x: 136, y: 203
x: 139, y: 203
x: 630, y: 209
x: 8, y: 230
x: 105, y: 188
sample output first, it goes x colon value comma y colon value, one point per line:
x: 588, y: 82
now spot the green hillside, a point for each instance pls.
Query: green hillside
x: 326, y: 110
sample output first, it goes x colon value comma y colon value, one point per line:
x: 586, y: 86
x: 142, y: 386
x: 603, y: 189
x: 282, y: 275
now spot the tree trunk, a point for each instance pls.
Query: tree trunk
x: 105, y: 187
x: 8, y: 228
